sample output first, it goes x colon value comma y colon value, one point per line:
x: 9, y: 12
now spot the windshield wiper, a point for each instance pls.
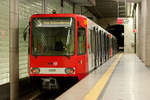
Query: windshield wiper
x: 68, y: 36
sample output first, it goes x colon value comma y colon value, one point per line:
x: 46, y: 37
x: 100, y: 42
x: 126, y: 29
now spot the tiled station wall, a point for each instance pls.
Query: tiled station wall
x: 129, y: 36
x: 26, y: 9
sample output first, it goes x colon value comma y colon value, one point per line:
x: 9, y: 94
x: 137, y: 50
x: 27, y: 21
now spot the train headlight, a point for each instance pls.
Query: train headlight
x: 35, y: 70
x: 69, y: 71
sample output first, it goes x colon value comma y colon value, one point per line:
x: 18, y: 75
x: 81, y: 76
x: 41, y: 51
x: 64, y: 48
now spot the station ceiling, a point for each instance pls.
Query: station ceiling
x: 109, y: 8
x: 113, y: 8
x: 104, y: 8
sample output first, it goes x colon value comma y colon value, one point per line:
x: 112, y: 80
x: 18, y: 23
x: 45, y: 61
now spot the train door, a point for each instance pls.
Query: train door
x: 97, y: 47
x: 102, y: 41
x: 111, y: 46
x: 82, y: 57
x: 90, y: 50
x: 93, y: 47
x: 105, y: 46
x: 108, y: 47
x: 98, y: 37
x: 100, y: 47
x: 95, y: 51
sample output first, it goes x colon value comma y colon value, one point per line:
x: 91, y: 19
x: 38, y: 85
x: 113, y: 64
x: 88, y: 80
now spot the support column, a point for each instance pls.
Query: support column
x: 144, y: 36
x: 143, y: 31
x: 14, y: 49
x: 147, y: 34
x: 139, y: 32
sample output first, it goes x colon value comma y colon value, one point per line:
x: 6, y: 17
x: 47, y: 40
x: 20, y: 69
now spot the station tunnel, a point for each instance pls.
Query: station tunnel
x: 118, y: 32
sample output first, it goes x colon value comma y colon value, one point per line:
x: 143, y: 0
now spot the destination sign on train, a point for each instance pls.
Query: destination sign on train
x: 41, y: 22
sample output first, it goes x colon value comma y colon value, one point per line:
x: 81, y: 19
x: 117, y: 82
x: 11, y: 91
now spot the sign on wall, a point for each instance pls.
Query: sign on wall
x: 122, y: 21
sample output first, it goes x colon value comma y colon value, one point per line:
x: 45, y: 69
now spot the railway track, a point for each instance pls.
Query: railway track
x: 48, y: 95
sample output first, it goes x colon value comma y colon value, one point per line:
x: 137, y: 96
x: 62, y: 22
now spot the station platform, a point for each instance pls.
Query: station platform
x: 123, y: 77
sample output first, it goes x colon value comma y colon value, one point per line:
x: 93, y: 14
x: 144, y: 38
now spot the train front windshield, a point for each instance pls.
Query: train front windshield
x: 53, y: 37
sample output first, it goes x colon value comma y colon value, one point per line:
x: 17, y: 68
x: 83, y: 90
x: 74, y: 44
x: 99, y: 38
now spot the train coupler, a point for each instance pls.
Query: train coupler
x: 50, y: 83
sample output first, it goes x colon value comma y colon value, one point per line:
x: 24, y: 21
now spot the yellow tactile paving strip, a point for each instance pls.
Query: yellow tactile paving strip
x: 98, y: 88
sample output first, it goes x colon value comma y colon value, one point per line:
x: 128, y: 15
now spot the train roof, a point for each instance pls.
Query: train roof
x: 71, y: 15
x: 100, y: 28
x: 58, y: 15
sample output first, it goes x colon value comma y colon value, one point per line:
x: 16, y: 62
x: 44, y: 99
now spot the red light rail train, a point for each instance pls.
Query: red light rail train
x: 66, y: 46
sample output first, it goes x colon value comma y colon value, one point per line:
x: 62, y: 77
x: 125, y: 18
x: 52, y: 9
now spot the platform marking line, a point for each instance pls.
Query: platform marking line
x: 94, y: 93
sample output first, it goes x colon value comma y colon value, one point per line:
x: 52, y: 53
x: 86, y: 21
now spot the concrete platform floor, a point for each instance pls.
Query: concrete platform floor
x: 130, y: 81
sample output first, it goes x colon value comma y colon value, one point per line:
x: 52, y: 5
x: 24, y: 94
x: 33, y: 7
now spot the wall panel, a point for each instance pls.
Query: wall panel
x: 4, y: 41
x: 53, y: 5
x: 68, y: 8
x: 26, y: 9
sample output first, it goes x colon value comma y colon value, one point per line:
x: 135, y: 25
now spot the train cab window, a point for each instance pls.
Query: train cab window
x: 81, y: 41
x: 53, y: 37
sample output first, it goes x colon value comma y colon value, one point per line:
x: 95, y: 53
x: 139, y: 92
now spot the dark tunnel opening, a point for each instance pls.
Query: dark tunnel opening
x: 118, y: 31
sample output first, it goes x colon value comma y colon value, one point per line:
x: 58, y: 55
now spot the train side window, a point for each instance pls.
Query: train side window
x: 81, y: 41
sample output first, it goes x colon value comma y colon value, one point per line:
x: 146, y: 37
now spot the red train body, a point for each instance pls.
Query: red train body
x: 67, y: 45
